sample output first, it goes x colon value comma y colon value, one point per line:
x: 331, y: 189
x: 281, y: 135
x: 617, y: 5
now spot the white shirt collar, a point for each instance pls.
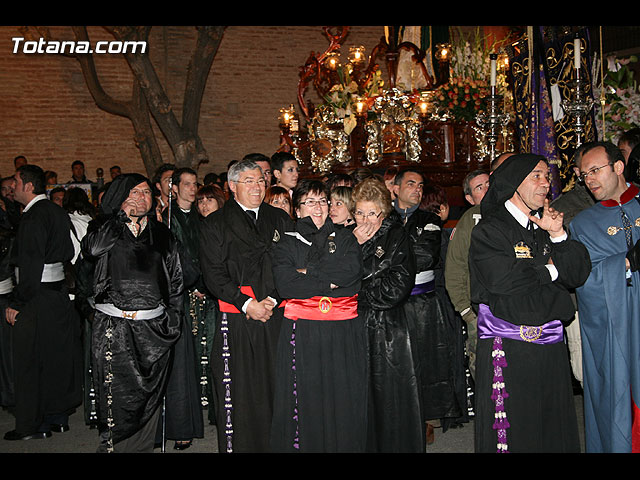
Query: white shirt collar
x: 521, y: 217
x: 245, y: 208
x: 35, y: 199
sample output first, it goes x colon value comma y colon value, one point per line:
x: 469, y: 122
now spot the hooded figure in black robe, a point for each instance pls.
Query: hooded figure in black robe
x: 140, y: 275
x: 521, y: 274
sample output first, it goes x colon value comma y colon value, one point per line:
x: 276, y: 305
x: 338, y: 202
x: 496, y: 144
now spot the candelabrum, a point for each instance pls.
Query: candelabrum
x: 578, y: 108
x: 492, y: 122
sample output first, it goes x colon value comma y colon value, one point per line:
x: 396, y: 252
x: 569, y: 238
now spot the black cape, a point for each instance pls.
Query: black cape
x: 437, y: 332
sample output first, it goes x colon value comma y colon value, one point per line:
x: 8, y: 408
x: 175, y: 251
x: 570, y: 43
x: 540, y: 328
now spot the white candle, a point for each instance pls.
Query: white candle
x: 493, y: 58
x: 576, y: 53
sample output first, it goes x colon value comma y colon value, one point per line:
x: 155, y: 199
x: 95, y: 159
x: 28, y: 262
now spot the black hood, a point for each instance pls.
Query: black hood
x: 119, y: 191
x: 506, y: 179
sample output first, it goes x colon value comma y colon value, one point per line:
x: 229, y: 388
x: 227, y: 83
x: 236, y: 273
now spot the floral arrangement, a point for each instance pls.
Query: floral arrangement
x: 621, y: 107
x: 470, y: 71
x: 343, y: 95
x: 461, y: 97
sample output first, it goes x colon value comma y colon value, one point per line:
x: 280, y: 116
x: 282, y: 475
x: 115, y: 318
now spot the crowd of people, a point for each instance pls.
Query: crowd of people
x: 333, y: 314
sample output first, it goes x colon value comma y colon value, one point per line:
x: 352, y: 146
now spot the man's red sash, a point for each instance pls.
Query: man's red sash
x: 322, y: 308
x: 229, y: 307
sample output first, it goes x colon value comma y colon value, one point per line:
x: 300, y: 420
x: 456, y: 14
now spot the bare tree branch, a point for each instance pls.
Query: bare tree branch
x: 149, y: 97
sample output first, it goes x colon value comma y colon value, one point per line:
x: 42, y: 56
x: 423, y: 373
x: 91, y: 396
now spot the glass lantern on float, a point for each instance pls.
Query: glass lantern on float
x: 289, y: 130
x: 288, y: 120
x: 332, y: 61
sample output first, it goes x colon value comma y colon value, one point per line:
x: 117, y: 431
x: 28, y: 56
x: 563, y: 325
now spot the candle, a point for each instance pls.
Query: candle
x: 576, y: 52
x: 493, y: 58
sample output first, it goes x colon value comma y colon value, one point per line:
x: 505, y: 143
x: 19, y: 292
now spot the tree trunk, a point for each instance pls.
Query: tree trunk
x: 149, y: 97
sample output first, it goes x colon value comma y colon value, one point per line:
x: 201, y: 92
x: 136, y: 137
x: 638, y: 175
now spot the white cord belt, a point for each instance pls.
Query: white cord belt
x: 112, y: 310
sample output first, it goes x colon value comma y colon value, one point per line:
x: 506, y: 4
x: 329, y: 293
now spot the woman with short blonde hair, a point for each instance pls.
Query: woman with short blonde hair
x: 389, y: 270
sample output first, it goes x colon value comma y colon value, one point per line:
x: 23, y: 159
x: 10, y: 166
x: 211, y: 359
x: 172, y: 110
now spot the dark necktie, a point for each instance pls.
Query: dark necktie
x: 253, y: 215
x: 627, y: 227
x: 626, y: 223
x: 532, y: 229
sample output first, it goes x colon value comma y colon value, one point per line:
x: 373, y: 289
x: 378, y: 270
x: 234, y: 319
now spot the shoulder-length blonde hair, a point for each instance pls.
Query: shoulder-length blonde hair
x: 373, y: 190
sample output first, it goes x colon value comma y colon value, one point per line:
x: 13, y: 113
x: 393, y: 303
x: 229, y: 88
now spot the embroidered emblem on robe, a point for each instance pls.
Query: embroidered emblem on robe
x: 522, y: 250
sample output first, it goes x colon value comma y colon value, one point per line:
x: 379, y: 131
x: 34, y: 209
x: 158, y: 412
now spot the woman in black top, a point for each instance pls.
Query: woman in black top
x: 320, y: 393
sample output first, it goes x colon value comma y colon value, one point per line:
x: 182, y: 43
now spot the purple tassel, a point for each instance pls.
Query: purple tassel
x: 499, y: 394
x: 296, y: 439
x: 228, y: 405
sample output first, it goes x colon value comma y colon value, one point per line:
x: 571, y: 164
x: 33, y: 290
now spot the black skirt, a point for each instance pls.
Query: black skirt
x: 539, y: 408
x: 321, y: 387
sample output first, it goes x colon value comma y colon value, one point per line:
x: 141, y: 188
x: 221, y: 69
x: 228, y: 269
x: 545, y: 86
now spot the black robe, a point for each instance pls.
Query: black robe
x: 47, y: 345
x: 395, y: 422
x: 133, y: 273
x: 508, y: 272
x: 7, y: 236
x: 437, y: 334
x: 319, y: 404
x: 235, y: 253
x: 183, y: 411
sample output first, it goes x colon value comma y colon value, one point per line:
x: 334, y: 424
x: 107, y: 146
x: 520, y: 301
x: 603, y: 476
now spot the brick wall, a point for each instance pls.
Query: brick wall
x: 49, y: 116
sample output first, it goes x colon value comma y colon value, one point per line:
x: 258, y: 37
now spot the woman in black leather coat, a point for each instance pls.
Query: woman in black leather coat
x: 395, y: 422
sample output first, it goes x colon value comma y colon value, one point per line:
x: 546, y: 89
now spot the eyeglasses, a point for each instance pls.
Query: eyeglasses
x: 312, y: 203
x: 370, y: 215
x: 250, y: 182
x: 583, y: 176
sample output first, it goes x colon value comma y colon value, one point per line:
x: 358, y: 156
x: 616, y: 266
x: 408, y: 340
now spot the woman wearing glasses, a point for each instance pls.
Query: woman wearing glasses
x: 394, y: 420
x: 321, y: 381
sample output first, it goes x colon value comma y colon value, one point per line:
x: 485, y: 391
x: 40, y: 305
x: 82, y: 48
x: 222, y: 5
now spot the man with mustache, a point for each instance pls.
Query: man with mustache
x: 138, y: 286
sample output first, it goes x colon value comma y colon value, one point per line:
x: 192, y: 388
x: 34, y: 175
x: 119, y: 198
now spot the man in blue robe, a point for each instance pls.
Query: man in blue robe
x: 609, y: 302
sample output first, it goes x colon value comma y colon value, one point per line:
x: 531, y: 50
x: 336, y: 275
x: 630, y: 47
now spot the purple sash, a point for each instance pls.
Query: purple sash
x: 490, y: 326
x: 424, y: 288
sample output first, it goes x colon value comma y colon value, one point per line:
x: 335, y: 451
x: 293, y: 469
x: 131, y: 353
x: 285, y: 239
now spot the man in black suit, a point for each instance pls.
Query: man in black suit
x: 235, y: 256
